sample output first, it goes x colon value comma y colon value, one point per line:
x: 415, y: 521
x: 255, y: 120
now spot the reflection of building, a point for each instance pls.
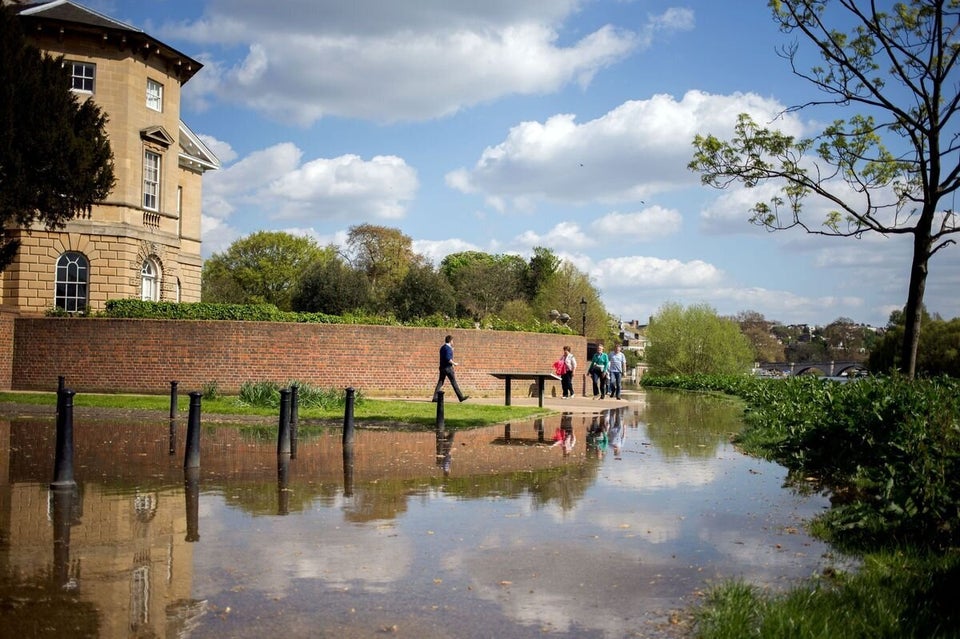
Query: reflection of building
x: 144, y: 240
x: 125, y: 548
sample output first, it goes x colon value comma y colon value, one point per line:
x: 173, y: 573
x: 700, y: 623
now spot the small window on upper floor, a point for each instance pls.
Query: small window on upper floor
x: 154, y: 95
x: 82, y: 76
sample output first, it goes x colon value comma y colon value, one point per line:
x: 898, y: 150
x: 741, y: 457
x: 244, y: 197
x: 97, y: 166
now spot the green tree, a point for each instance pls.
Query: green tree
x: 898, y: 67
x: 695, y: 340
x: 384, y: 254
x: 540, y: 270
x: 564, y: 291
x: 262, y: 268
x: 759, y: 332
x: 939, y: 351
x: 483, y: 282
x: 55, y: 158
x: 422, y: 292
x: 332, y: 286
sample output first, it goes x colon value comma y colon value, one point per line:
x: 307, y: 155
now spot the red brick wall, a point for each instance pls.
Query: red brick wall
x: 144, y: 356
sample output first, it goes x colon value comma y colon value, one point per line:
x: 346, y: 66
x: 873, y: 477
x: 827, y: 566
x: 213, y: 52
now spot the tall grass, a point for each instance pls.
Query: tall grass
x: 267, y: 395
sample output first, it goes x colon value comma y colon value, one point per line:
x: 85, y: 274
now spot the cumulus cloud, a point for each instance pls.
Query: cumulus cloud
x: 644, y: 226
x: 427, y: 59
x: 640, y: 148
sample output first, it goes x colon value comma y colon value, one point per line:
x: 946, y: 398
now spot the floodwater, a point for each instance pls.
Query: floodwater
x: 491, y: 532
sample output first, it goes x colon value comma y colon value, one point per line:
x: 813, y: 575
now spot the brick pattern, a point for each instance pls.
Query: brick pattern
x: 143, y: 356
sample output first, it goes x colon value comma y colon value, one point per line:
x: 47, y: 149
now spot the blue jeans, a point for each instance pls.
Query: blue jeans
x: 616, y: 383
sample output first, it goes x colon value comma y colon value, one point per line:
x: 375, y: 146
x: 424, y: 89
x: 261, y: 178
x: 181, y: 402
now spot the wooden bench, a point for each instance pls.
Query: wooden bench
x: 539, y: 378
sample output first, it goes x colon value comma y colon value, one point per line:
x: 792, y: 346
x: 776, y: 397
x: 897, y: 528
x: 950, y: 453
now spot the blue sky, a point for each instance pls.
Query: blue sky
x: 501, y: 125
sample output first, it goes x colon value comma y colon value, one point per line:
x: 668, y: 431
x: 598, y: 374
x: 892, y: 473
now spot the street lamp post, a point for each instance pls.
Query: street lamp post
x: 583, y: 316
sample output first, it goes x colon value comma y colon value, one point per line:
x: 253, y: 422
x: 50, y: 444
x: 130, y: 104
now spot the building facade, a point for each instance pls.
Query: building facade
x: 143, y: 241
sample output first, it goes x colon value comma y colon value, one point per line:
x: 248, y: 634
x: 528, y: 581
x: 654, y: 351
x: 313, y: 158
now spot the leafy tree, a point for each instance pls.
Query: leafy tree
x: 262, y: 268
x: 759, y: 332
x: 542, y: 267
x: 383, y: 253
x: 484, y: 282
x: 563, y: 292
x: 55, y: 158
x: 898, y: 68
x: 422, y: 292
x: 939, y: 351
x: 332, y: 286
x: 695, y: 340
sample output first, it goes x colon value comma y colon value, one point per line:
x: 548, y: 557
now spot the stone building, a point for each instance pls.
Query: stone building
x: 143, y: 241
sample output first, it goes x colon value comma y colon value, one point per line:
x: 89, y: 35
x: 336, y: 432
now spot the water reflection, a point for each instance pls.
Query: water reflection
x: 521, y: 535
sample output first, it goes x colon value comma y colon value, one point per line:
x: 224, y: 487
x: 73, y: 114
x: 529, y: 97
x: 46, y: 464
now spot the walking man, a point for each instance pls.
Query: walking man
x: 446, y: 370
x: 618, y: 365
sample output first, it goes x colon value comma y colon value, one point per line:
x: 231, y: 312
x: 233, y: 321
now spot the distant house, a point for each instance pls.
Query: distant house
x: 633, y: 336
x: 143, y: 241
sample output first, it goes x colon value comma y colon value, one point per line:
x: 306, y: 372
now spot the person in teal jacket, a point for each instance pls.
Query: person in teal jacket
x: 599, y: 367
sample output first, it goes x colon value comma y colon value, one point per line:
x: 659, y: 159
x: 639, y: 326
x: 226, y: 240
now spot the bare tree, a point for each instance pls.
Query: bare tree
x: 897, y: 68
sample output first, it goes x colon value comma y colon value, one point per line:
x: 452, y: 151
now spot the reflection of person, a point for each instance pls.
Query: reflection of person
x: 599, y: 364
x: 597, y: 435
x: 444, y: 446
x: 566, y: 380
x: 446, y: 370
x: 618, y: 365
x: 616, y: 434
x: 564, y: 436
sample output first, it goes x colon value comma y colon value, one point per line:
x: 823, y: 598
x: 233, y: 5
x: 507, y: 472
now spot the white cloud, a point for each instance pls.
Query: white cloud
x: 640, y: 148
x: 427, y: 59
x: 638, y: 272
x: 647, y: 225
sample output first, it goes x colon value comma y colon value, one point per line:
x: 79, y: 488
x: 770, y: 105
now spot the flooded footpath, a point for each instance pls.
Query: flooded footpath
x: 608, y: 524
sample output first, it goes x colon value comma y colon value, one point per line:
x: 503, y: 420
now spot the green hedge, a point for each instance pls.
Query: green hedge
x: 139, y: 309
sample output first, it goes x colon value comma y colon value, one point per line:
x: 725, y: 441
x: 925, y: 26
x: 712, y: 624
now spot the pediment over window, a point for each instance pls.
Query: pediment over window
x: 158, y: 135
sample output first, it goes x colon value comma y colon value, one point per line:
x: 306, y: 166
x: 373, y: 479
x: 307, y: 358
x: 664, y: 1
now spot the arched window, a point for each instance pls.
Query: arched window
x: 73, y: 272
x: 150, y: 281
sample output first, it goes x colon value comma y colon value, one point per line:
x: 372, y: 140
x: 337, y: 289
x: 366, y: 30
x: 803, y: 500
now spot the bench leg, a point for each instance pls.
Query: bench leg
x: 540, y: 383
x: 507, y: 391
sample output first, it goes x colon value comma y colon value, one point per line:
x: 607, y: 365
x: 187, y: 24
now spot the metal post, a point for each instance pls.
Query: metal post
x: 294, y: 419
x: 173, y: 400
x: 440, y: 419
x: 348, y: 471
x: 283, y: 440
x: 172, y: 437
x: 63, y: 464
x: 348, y: 419
x: 64, y: 517
x: 191, y: 456
x: 61, y: 383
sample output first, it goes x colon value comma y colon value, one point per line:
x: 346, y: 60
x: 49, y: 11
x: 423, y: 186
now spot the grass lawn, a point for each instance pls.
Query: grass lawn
x: 422, y: 414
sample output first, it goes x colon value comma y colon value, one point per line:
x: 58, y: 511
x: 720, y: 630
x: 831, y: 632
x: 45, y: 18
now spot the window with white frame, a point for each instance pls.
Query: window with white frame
x: 154, y: 95
x: 151, y: 180
x: 150, y: 281
x: 71, y: 282
x: 82, y: 75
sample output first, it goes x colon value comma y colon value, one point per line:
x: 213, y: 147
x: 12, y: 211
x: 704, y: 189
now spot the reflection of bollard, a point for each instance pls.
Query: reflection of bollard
x: 173, y: 400
x: 283, y: 476
x: 440, y: 421
x: 348, y: 471
x: 348, y: 418
x: 506, y: 431
x: 63, y: 465
x: 191, y: 456
x: 283, y: 437
x: 294, y: 418
x: 64, y: 500
x: 538, y: 424
x: 172, y: 436
x: 191, y: 491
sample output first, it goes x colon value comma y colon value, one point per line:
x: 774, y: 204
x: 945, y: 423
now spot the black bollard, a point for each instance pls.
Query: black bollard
x: 63, y: 466
x: 283, y: 476
x: 440, y: 420
x: 191, y: 492
x: 173, y: 400
x: 294, y: 419
x: 348, y: 419
x: 191, y: 455
x: 283, y: 437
